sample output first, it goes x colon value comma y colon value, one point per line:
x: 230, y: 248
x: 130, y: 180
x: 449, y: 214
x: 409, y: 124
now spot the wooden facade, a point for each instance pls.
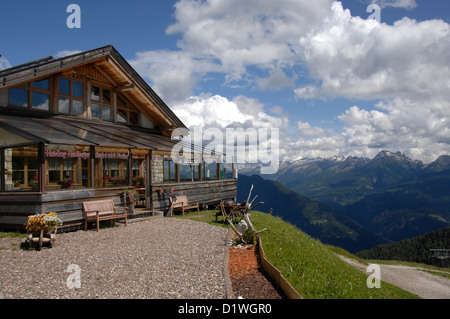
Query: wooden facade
x: 206, y: 192
x: 88, y: 127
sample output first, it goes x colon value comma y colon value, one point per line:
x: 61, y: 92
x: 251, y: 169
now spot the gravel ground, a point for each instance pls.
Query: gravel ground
x: 160, y: 258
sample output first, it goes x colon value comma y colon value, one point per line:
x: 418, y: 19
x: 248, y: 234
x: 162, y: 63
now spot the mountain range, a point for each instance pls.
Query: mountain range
x: 318, y: 220
x: 381, y: 200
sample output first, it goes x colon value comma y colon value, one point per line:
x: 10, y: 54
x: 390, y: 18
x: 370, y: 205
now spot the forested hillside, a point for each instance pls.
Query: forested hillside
x: 417, y: 249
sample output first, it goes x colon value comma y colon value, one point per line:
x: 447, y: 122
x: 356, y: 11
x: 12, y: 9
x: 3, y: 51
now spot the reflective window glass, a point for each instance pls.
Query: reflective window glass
x: 40, y: 101
x: 77, y: 89
x: 95, y: 111
x: 106, y: 113
x: 122, y: 116
x: 77, y: 107
x: 95, y: 93
x: 106, y: 96
x: 18, y: 97
x: 44, y: 84
x: 63, y: 105
x: 64, y: 86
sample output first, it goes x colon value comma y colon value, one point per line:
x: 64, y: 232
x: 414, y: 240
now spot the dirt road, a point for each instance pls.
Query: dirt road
x: 412, y: 279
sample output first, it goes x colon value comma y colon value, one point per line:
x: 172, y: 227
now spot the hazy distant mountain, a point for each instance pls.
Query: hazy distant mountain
x: 390, y: 195
x: 314, y: 218
x: 407, y: 209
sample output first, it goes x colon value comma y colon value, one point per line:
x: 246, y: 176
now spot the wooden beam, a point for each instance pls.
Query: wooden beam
x: 167, y: 128
x: 125, y: 88
x: 106, y: 75
x: 68, y: 72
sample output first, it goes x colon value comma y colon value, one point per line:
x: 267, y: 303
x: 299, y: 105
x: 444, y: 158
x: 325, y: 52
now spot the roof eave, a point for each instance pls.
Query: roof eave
x: 45, y: 67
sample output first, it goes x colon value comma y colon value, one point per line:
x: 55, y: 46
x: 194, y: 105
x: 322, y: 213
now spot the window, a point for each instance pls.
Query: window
x: 70, y: 97
x: 101, y: 103
x: 23, y: 164
x: 60, y: 171
x: 40, y: 101
x: 111, y: 168
x: 34, y: 95
x: 136, y: 166
x: 43, y: 84
x: 67, y: 166
x: 115, y: 172
x: 18, y: 97
x: 210, y: 171
x: 189, y: 172
x: 169, y: 170
x: 126, y: 112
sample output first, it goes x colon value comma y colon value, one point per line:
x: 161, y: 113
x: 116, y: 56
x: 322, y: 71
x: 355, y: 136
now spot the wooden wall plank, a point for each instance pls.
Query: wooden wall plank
x: 14, y: 208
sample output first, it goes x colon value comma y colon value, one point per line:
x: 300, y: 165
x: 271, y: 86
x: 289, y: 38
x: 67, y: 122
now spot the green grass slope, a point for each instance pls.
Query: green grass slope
x: 312, y: 268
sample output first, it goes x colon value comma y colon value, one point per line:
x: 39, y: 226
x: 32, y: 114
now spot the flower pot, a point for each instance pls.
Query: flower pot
x: 130, y: 206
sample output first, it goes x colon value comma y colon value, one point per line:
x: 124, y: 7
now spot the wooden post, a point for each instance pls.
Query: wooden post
x: 177, y: 173
x: 2, y: 171
x: 41, y: 167
x: 92, y: 166
x: 130, y: 168
x: 148, y: 180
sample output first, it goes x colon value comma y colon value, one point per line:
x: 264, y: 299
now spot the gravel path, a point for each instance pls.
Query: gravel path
x: 160, y: 258
x: 412, y: 279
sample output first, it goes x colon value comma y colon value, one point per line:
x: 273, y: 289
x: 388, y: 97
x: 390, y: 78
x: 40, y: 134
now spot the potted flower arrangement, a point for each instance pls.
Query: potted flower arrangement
x: 41, y: 228
x: 66, y: 183
x: 46, y: 222
x: 34, y: 185
x: 169, y: 191
x: 130, y: 196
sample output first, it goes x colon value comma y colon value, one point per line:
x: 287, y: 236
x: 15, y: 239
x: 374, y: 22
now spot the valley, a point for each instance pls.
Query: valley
x: 357, y: 203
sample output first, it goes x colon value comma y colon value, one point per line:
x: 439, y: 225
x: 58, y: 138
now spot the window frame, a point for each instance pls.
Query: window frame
x: 129, y: 108
x: 169, y: 161
x: 71, y: 97
x: 30, y: 90
x: 101, y: 104
x: 26, y: 170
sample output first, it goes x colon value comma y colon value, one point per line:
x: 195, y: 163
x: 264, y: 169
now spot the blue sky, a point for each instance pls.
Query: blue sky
x: 332, y: 81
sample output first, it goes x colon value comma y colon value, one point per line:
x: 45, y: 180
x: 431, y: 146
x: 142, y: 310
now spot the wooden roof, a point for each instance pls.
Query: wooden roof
x: 112, y: 66
x: 30, y: 128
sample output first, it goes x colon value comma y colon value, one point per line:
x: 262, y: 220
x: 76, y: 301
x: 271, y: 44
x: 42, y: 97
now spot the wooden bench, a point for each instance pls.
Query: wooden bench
x: 102, y: 210
x: 182, y: 203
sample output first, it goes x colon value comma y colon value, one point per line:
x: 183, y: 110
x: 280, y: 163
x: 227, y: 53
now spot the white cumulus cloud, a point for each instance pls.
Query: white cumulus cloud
x: 320, y: 51
x: 4, y: 63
